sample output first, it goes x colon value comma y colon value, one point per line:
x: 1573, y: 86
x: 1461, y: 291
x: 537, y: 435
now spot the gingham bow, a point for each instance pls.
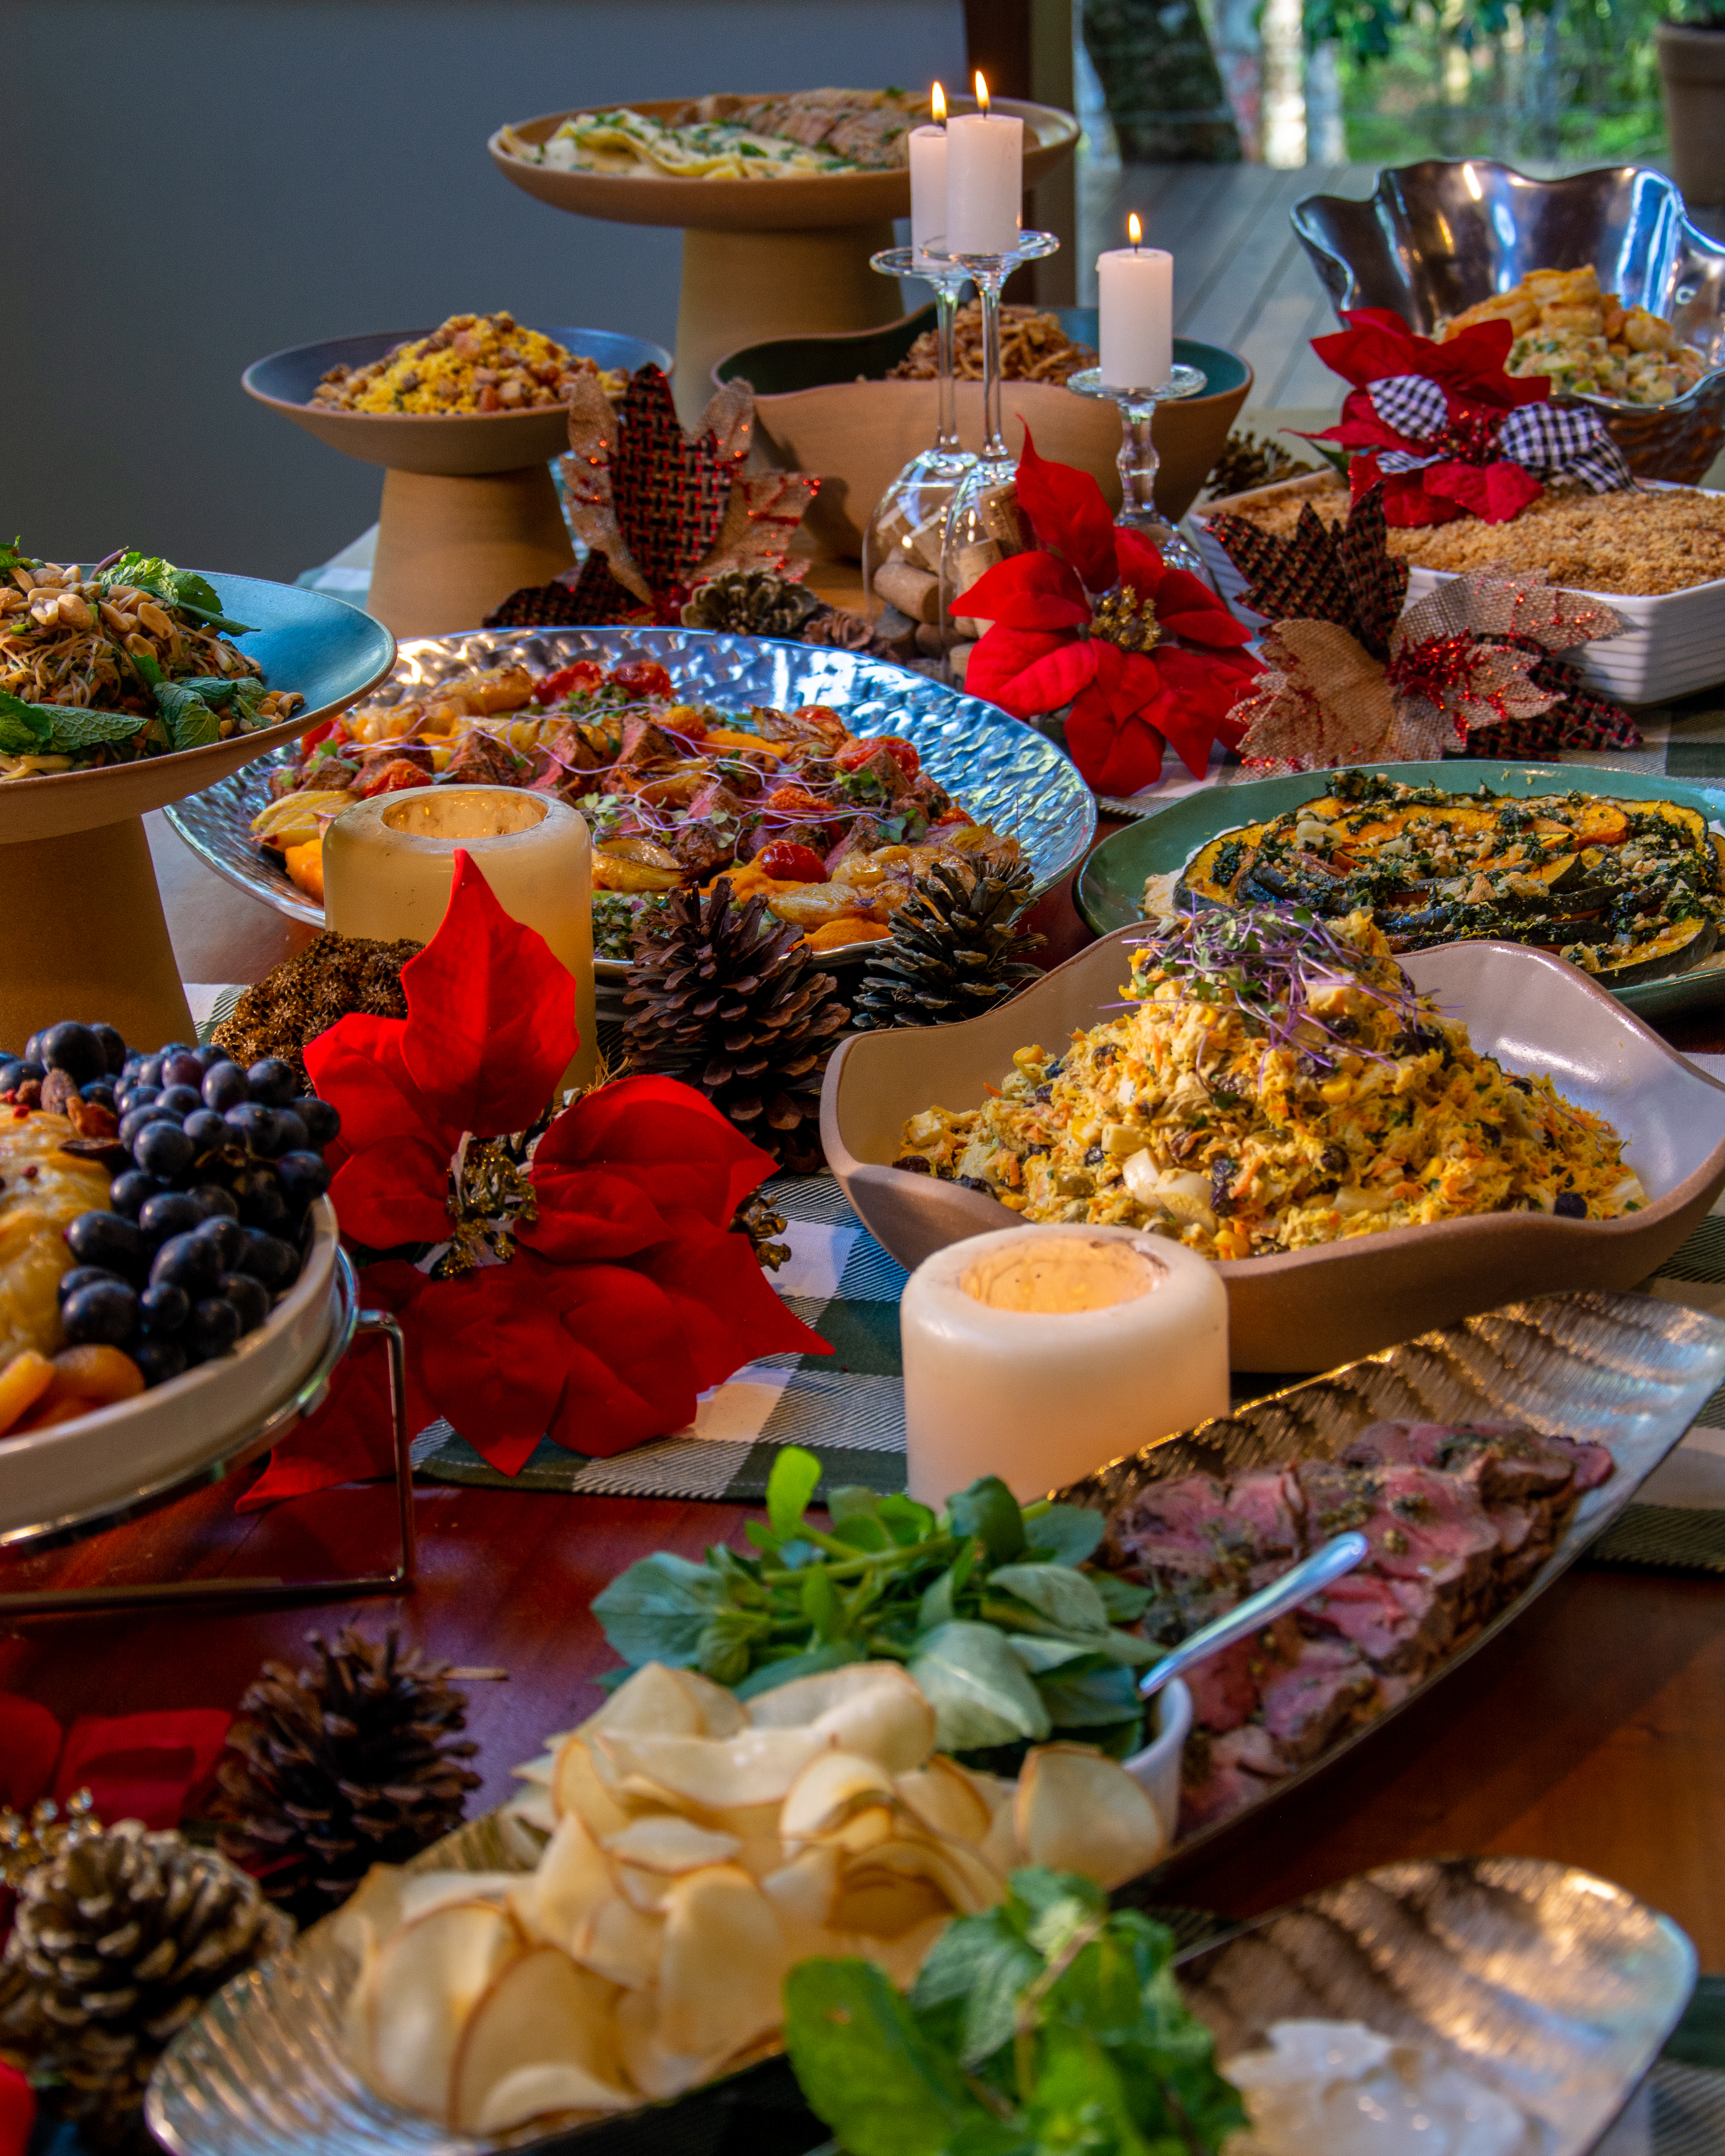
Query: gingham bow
x: 1552, y: 441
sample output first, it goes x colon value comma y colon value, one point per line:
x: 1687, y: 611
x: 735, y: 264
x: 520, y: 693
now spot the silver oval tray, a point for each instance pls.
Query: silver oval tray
x: 1553, y: 1987
x: 261, y: 2072
x: 1001, y: 771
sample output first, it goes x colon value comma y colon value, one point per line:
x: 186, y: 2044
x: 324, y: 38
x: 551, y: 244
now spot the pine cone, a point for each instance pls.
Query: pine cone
x: 751, y: 603
x: 955, y: 952
x: 115, y: 1945
x: 724, y: 998
x: 307, y: 993
x: 336, y: 1769
x: 1246, y: 462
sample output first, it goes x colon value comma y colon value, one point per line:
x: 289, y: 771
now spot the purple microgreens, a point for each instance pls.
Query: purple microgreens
x: 1271, y: 962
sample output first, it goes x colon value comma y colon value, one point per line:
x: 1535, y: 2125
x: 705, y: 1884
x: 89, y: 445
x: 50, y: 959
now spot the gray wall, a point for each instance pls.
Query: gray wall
x: 189, y: 184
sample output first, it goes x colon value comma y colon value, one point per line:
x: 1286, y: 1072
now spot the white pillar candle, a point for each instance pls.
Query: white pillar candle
x: 1137, y: 297
x: 1038, y: 1353
x: 928, y: 178
x: 389, y: 864
x: 985, y: 180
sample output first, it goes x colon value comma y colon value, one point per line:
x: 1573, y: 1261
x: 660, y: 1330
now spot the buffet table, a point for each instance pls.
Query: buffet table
x: 1590, y: 1731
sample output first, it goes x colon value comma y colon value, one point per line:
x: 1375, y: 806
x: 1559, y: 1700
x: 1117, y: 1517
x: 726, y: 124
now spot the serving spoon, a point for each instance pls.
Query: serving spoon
x: 1338, y: 1556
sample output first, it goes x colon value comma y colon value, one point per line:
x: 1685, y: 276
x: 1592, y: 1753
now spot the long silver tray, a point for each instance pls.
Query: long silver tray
x: 1001, y: 772
x: 261, y: 2072
x: 1628, y: 1372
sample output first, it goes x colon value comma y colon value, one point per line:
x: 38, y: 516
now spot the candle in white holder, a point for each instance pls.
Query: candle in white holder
x: 1039, y: 1352
x: 1136, y: 296
x: 985, y: 180
x: 389, y: 864
x: 928, y: 178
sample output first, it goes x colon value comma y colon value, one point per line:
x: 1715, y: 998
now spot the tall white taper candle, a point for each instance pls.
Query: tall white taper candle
x: 1136, y: 296
x: 928, y: 178
x: 1038, y: 1353
x: 985, y: 180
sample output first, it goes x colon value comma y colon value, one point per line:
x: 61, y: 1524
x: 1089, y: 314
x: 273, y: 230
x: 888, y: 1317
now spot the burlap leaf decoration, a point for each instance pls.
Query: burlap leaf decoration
x: 1343, y: 573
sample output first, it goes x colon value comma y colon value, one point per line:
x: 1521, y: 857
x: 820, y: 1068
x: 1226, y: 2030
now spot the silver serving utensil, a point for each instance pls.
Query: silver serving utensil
x: 1339, y: 1555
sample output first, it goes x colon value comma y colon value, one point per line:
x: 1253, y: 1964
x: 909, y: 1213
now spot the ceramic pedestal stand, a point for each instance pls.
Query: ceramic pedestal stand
x: 85, y: 935
x: 469, y: 511
x: 975, y: 538
x: 761, y: 257
x: 905, y: 531
x: 1139, y: 458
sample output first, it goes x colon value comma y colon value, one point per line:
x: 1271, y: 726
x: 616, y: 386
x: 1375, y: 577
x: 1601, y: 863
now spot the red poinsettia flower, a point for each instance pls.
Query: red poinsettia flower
x: 1469, y: 474
x: 583, y: 1285
x: 1085, y: 622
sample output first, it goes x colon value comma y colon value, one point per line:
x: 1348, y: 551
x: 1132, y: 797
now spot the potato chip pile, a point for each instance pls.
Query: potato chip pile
x: 700, y: 1847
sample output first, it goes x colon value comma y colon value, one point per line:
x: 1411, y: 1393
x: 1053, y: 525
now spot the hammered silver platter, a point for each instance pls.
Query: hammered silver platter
x: 1554, y: 1987
x: 1001, y: 772
x: 262, y: 2072
x: 1628, y: 1372
x: 1437, y: 237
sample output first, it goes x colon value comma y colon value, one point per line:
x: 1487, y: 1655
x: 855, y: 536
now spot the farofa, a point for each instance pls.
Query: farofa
x: 1639, y: 543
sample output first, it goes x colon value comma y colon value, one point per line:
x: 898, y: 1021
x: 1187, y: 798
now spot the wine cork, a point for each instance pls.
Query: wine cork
x: 913, y: 591
x: 925, y: 542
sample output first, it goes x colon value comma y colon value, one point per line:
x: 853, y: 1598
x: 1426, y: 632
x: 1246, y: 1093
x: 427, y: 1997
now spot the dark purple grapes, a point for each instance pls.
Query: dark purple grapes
x: 227, y: 1236
x: 74, y: 1049
x: 213, y: 1327
x: 273, y: 1082
x: 182, y: 1069
x: 268, y: 1259
x: 304, y: 1177
x: 169, y: 1212
x: 100, y: 1090
x: 180, y: 1100
x: 249, y: 1298
x: 206, y: 1130
x: 258, y: 1194
x: 150, y: 1071
x: 209, y: 1056
x: 33, y: 1048
x: 253, y: 1127
x: 159, y: 1357
x: 109, y: 1240
x: 164, y: 1149
x: 137, y: 1095
x: 322, y: 1120
x: 134, y: 1121
x: 114, y: 1049
x: 83, y: 1276
x: 164, y: 1309
x: 106, y: 1311
x: 212, y: 1199
x: 289, y: 1132
x: 9, y: 1069
x: 131, y: 1190
x: 225, y: 1086
x: 187, y: 1261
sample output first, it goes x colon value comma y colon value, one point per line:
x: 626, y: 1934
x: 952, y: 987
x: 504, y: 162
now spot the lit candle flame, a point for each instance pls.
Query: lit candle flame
x: 1134, y: 230
x: 981, y: 93
x: 938, y: 104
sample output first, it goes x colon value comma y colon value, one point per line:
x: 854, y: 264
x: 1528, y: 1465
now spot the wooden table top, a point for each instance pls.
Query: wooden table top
x: 1590, y: 1731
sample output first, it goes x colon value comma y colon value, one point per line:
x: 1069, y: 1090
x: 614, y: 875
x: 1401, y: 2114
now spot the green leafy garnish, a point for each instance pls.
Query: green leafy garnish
x: 183, y: 589
x: 985, y: 1602
x: 1044, y: 2025
x: 191, y: 723
x: 60, y: 729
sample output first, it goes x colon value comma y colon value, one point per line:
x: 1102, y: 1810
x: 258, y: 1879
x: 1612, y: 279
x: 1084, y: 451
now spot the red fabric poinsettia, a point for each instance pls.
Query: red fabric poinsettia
x: 1469, y: 475
x: 590, y: 1287
x: 17, y: 2110
x: 1052, y: 643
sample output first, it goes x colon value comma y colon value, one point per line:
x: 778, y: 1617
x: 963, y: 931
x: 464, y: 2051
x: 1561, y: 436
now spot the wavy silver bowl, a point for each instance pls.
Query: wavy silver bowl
x: 1437, y: 237
x: 1003, y: 772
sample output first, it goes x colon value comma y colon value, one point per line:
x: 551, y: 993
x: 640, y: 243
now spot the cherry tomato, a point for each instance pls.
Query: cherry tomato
x: 568, y: 680
x: 786, y: 862
x: 313, y: 735
x: 641, y: 677
x: 394, y: 777
x: 857, y: 752
x: 794, y: 800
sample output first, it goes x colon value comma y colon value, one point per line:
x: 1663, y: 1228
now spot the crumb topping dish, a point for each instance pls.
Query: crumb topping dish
x: 1273, y: 1082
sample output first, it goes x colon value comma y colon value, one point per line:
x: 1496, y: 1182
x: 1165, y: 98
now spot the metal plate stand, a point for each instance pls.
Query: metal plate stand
x: 348, y: 1321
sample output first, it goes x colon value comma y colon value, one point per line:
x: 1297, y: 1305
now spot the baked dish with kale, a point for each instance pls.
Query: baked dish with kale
x: 1628, y: 890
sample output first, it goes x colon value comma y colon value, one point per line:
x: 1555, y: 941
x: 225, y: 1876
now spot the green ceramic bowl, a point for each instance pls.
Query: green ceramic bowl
x: 1110, y: 887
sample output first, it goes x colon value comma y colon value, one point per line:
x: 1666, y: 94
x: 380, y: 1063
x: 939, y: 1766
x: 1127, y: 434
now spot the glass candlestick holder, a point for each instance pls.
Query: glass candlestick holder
x: 982, y: 523
x: 903, y: 535
x: 1138, y: 459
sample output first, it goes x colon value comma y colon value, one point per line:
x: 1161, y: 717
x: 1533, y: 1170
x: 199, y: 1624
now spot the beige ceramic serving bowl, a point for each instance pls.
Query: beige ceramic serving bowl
x: 117, y: 1457
x: 1309, y: 1309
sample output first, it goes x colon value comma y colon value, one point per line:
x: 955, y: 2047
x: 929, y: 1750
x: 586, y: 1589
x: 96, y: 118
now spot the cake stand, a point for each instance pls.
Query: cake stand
x: 86, y: 934
x: 763, y: 258
x: 469, y: 511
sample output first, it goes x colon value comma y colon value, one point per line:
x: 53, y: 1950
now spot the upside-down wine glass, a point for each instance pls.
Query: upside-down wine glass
x: 982, y: 522
x: 1138, y: 459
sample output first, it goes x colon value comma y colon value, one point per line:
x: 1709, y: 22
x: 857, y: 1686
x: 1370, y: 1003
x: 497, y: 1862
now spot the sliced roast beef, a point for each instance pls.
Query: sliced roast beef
x: 1400, y: 1624
x: 1329, y: 1687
